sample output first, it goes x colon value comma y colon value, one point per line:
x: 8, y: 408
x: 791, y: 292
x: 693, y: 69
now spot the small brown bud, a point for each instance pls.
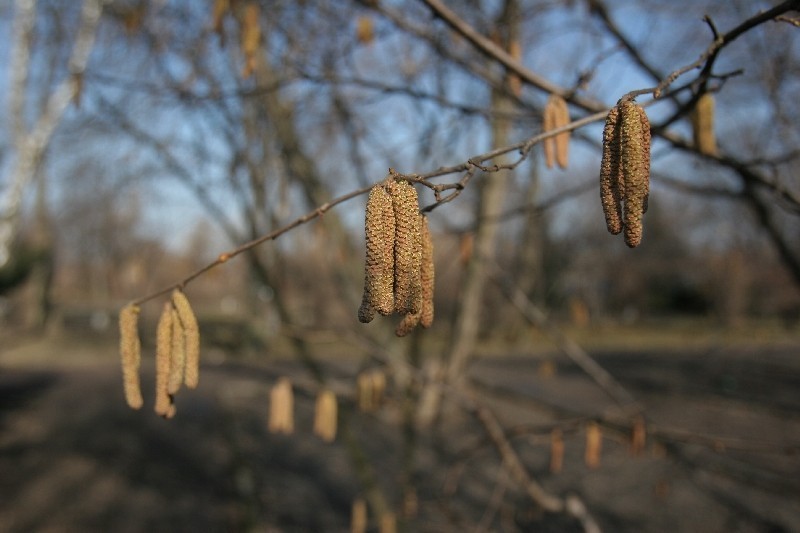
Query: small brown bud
x: 131, y: 354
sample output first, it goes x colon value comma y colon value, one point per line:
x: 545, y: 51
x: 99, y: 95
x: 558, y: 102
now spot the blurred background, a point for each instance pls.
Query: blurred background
x: 140, y: 139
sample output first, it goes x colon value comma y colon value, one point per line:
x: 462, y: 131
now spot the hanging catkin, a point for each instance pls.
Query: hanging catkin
x: 177, y: 365
x: 192, y: 338
x: 325, y: 415
x: 610, y: 174
x: 163, y: 358
x: 556, y: 115
x: 625, y: 170
x: 703, y: 125
x: 427, y: 275
x: 594, y: 445
x: 281, y: 407
x: 379, y: 227
x: 635, y: 154
x: 407, y: 248
x: 131, y: 354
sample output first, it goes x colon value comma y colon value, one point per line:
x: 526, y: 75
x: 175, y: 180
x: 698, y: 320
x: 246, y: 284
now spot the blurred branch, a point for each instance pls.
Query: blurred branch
x: 536, y: 317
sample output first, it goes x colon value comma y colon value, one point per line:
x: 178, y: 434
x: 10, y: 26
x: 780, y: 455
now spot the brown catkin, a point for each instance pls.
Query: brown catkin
x: 407, y: 248
x: 634, y: 133
x: 364, y: 392
x: 638, y: 435
x: 325, y: 415
x: 388, y: 523
x: 358, y: 518
x: 562, y: 139
x: 130, y: 349
x: 177, y: 366
x: 407, y: 325
x: 163, y: 358
x: 549, y: 124
x: 281, y: 407
x: 427, y: 275
x: 610, y: 176
x: 556, y: 451
x: 192, y: 337
x: 594, y: 445
x: 703, y: 125
x: 379, y: 222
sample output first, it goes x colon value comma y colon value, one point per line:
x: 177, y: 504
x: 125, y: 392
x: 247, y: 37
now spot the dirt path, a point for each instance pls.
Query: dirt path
x: 73, y: 457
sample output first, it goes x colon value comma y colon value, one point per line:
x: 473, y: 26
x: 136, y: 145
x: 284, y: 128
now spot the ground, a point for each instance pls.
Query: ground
x: 723, y: 453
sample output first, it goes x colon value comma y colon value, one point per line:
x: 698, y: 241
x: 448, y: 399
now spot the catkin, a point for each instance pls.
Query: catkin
x: 177, y: 366
x: 192, y: 338
x: 556, y: 451
x: 610, y: 176
x: 625, y: 170
x: 703, y: 125
x: 548, y: 124
x: 556, y: 115
x: 594, y: 445
x: 358, y: 519
x: 407, y: 325
x: 407, y: 248
x: 163, y: 358
x: 325, y: 416
x: 635, y: 161
x: 281, y: 407
x: 638, y: 435
x: 427, y: 275
x: 131, y: 354
x: 379, y: 227
x: 388, y: 523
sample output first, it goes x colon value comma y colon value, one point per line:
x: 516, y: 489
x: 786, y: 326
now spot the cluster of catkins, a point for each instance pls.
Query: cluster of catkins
x: 625, y: 170
x: 399, y: 264
x: 177, y: 353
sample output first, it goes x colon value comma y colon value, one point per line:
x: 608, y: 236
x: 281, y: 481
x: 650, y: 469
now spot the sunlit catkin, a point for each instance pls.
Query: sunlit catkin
x: 177, y: 365
x: 635, y: 162
x: 556, y: 451
x: 638, y: 435
x: 427, y: 274
x: 131, y: 354
x: 407, y: 325
x: 192, y: 337
x: 325, y: 415
x: 594, y: 445
x: 379, y: 229
x: 703, y: 125
x: 358, y: 518
x: 163, y: 358
x: 407, y: 248
x: 281, y: 407
x: 556, y: 115
x: 610, y: 174
x: 388, y: 523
